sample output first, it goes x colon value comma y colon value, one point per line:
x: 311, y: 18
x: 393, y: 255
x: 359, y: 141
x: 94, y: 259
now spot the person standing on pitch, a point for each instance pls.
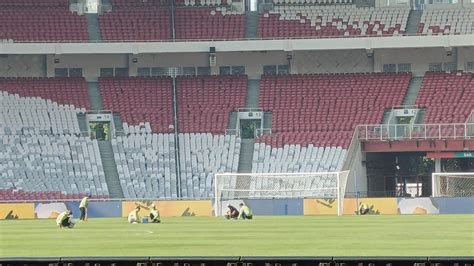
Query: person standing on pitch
x: 154, y: 214
x: 245, y: 212
x: 83, y: 207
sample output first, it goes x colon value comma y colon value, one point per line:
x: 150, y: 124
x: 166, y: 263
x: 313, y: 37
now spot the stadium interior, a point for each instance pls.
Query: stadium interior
x: 134, y: 120
x: 144, y: 102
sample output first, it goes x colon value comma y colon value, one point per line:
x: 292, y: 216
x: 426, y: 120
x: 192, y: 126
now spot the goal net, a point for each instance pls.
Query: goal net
x: 453, y: 184
x: 233, y: 186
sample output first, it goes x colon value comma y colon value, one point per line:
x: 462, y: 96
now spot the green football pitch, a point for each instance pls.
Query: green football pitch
x: 430, y: 235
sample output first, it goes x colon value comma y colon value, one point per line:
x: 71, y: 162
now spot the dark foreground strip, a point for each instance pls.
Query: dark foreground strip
x: 239, y: 261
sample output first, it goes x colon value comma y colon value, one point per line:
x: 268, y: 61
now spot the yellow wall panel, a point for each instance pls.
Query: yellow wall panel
x: 171, y: 208
x: 329, y: 206
x: 17, y: 211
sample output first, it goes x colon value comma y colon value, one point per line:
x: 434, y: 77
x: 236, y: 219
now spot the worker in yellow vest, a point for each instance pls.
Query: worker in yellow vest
x: 245, y: 212
x: 83, y: 207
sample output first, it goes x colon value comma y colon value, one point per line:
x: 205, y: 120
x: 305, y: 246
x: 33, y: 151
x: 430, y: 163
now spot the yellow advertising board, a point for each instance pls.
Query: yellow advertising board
x: 171, y: 208
x: 329, y: 206
x: 11, y: 211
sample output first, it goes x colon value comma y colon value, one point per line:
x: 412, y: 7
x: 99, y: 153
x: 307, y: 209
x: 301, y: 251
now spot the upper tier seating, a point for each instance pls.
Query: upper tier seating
x: 146, y: 165
x: 331, y: 20
x: 448, y: 97
x: 51, y: 20
x: 447, y: 21
x: 136, y: 24
x: 64, y: 91
x: 140, y: 100
x: 202, y: 156
x: 203, y: 2
x: 23, y: 115
x: 139, y: 3
x: 209, y: 23
x: 48, y: 164
x: 205, y: 102
x: 34, y: 3
x: 324, y: 109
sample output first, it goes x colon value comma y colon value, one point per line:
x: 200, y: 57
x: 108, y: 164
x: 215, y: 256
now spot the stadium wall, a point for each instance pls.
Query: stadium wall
x: 302, y: 62
x: 22, y: 65
x: 118, y: 208
x: 420, y: 59
x: 90, y: 63
x: 341, y: 61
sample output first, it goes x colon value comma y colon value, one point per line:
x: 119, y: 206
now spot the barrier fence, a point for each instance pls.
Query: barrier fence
x: 415, y: 131
x: 181, y: 208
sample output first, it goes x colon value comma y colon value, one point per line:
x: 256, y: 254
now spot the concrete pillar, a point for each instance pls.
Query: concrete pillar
x: 438, y: 165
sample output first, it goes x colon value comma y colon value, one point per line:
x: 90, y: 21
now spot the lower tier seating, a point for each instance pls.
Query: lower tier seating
x: 146, y: 165
x: 49, y: 165
x: 65, y: 91
x: 296, y: 159
x: 205, y: 102
x: 447, y: 97
x: 140, y: 100
x: 202, y: 156
x: 27, y: 115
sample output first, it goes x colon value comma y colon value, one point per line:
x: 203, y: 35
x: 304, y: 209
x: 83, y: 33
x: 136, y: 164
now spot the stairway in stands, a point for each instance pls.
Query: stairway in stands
x: 81, y: 119
x: 251, y: 24
x: 247, y: 145
x: 413, y: 89
x: 105, y: 147
x: 93, y: 28
x: 413, y: 22
x: 94, y: 96
x: 246, y: 155
x: 110, y: 169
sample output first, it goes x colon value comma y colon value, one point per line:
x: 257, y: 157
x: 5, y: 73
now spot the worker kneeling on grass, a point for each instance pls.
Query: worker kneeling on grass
x: 154, y: 214
x: 133, y: 216
x: 232, y: 212
x: 363, y: 209
x: 64, y: 220
x: 245, y: 212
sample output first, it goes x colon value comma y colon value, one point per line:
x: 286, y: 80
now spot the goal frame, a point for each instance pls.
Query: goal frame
x: 435, y: 188
x: 340, y: 190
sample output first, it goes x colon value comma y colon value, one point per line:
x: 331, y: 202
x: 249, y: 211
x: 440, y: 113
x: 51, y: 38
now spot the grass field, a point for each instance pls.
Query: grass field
x: 435, y: 235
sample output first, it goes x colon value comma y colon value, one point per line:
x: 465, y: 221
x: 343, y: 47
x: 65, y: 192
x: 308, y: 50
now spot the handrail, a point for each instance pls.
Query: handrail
x: 11, y: 41
x: 398, y: 107
x: 261, y: 131
x: 350, y: 155
x: 382, y: 132
x: 99, y: 112
x: 249, y: 110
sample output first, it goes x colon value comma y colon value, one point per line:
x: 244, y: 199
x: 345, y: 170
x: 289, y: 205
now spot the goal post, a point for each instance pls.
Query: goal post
x: 239, y: 186
x: 452, y: 184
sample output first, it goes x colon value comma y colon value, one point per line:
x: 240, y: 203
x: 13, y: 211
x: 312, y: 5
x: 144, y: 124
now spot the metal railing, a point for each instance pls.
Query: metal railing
x: 416, y: 131
x: 232, y: 131
x: 249, y: 110
x: 262, y: 131
x: 351, y: 152
x: 223, y: 39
